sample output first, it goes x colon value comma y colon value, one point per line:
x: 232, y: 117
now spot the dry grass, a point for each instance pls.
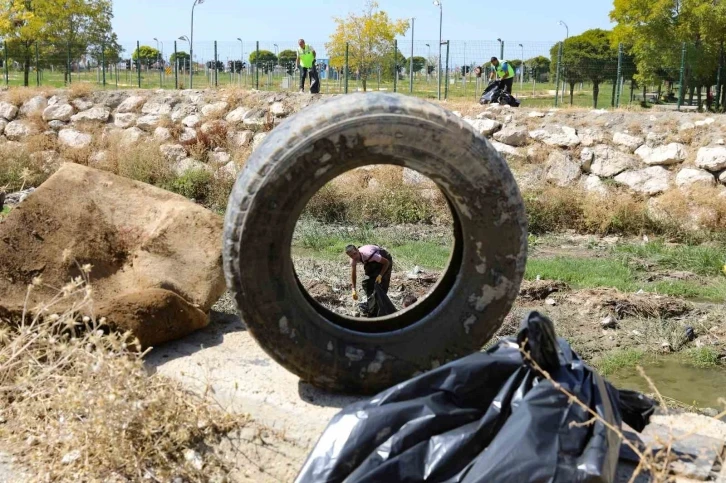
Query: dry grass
x: 19, y: 95
x: 77, y: 404
x: 78, y: 90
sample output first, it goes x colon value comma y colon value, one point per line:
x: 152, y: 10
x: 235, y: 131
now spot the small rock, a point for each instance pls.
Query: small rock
x: 82, y: 104
x: 157, y: 108
x: 722, y: 177
x: 74, y: 139
x: 18, y: 130
x: 162, y: 134
x: 217, y: 127
x: 188, y: 135
x: 194, y: 459
x: 98, y: 159
x: 513, y: 136
x: 239, y: 139
x: 650, y: 181
x: 609, y: 322
x: 686, y: 126
x: 665, y: 347
x: 237, y: 115
x: 278, y: 109
x: 711, y: 158
x: 254, y: 118
x: 58, y: 112
x: 534, y: 114
x: 229, y: 170
x: 8, y: 111
x: 486, y: 115
x: 413, y: 177
x: 173, y: 152
x: 131, y: 105
x: 593, y: 184
x: 132, y: 136
x: 35, y: 105
x: 485, y: 127
x: 189, y: 164
x: 608, y: 162
x: 556, y: 135
x: 653, y: 139
x: 688, y: 177
x: 148, y: 122
x: 54, y: 125
x: 95, y: 114
x: 216, y: 109
x: 551, y: 302
x: 219, y: 157
x: 586, y: 157
x: 591, y: 136
x: 626, y: 140
x: 705, y: 122
x: 71, y: 457
x: 672, y: 153
x: 192, y: 121
x: 562, y: 170
x: 258, y: 139
x: 510, y: 153
x: 124, y: 120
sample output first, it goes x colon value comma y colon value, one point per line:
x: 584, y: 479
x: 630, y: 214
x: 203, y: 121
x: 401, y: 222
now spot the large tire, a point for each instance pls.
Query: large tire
x: 311, y: 148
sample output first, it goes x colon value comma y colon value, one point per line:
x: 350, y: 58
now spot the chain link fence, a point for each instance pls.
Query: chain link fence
x: 546, y: 73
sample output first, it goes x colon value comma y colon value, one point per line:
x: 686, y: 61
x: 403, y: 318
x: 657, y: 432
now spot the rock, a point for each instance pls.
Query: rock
x: 237, y: 115
x: 509, y: 153
x: 131, y: 105
x: 137, y: 238
x: 162, y: 134
x: 608, y: 162
x: 191, y: 121
x: 239, y: 139
x: 413, y: 177
x: 48, y: 160
x: 609, y: 322
x: 722, y: 178
x: 551, y: 302
x: 173, y: 152
x: 486, y: 115
x: 650, y: 181
x: 57, y: 125
x: 686, y: 126
x: 229, y: 170
x: 74, y: 139
x: 19, y: 130
x: 8, y: 111
x: 109, y: 98
x: 156, y: 108
x: 593, y: 184
x: 3, y: 123
x: 132, y: 136
x: 513, y: 136
x: 485, y: 127
x: 148, y: 122
x: 562, y: 170
x: 586, y: 157
x: 182, y: 111
x: 653, y: 140
x: 81, y: 104
x: 535, y: 114
x: 688, y: 177
x: 219, y: 157
x: 591, y: 136
x: 254, y: 118
x: 258, y: 139
x: 189, y: 164
x: 95, y: 114
x: 216, y: 127
x: 712, y: 159
x: 124, y: 120
x: 153, y: 316
x: 98, y: 159
x: 278, y: 109
x: 672, y: 153
x: 188, y: 135
x: 705, y: 122
x: 215, y: 110
x: 556, y: 135
x: 33, y: 106
x: 58, y: 112
x: 628, y: 141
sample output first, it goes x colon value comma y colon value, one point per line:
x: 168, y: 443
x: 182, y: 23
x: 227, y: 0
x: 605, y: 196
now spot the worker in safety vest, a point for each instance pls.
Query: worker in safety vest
x: 306, y: 62
x: 505, y: 72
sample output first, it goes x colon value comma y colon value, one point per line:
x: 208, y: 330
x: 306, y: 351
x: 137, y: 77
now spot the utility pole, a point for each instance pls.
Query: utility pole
x: 410, y: 61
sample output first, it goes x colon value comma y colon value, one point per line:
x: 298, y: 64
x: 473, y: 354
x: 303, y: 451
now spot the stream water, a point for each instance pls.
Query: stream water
x: 674, y: 379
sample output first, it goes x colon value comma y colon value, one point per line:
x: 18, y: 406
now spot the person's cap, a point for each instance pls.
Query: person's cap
x: 493, y: 59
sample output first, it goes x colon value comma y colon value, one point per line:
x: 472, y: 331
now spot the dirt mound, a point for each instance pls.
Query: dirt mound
x: 323, y: 292
x: 630, y: 305
x: 153, y: 316
x: 134, y: 237
x: 540, y: 289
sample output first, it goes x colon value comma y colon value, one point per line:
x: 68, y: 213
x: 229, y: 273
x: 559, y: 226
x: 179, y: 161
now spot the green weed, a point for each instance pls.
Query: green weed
x: 699, y: 259
x: 618, y: 359
x: 702, y: 357
x: 194, y: 184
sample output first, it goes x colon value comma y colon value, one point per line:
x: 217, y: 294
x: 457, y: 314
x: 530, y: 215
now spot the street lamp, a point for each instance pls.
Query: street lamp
x: 437, y: 3
x: 501, y: 49
x: 186, y: 39
x: 566, y: 28
x: 242, y: 58
x: 191, y: 45
x: 521, y: 73
x: 276, y: 50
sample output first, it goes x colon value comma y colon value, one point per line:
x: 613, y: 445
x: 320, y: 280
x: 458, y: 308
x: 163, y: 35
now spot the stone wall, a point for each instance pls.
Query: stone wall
x: 646, y: 152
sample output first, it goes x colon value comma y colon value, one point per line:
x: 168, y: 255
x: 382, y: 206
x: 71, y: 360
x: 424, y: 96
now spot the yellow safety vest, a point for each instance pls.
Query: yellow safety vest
x: 500, y: 71
x: 306, y: 56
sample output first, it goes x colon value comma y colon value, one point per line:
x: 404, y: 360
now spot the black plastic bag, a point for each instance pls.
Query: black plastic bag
x: 378, y: 304
x: 488, y: 417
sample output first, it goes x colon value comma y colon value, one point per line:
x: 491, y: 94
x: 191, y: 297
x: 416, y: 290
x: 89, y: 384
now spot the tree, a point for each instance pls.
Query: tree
x: 146, y: 55
x: 266, y: 59
x: 182, y: 56
x: 391, y: 63
x: 220, y: 65
x: 419, y: 63
x: 287, y: 59
x: 587, y: 56
x: 369, y: 37
x: 538, y: 65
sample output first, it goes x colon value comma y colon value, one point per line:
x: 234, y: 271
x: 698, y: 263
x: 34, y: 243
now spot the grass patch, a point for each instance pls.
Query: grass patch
x: 701, y: 357
x: 618, y: 360
x: 699, y: 259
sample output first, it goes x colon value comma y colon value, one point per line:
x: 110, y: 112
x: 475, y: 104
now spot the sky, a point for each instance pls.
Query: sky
x: 533, y: 23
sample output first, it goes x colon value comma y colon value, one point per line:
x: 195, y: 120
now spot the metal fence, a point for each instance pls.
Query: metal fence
x: 545, y: 72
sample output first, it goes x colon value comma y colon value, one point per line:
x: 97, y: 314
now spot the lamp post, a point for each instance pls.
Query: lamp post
x: 501, y: 49
x: 521, y: 72
x: 437, y: 3
x: 427, y: 63
x: 567, y: 30
x: 191, y: 45
x: 186, y: 39
x: 242, y: 58
x: 159, y: 59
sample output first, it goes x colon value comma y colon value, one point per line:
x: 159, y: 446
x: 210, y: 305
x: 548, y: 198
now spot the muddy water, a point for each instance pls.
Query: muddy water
x: 676, y: 380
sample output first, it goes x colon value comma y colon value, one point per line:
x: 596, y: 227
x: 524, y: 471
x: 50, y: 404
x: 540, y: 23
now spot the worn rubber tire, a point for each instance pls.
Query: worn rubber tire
x: 323, y: 141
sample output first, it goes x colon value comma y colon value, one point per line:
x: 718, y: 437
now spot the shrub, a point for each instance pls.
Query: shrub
x: 194, y: 184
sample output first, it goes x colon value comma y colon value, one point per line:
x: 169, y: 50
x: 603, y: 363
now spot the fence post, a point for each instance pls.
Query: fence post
x: 410, y: 61
x: 681, y: 89
x: 346, y: 68
x: 619, y: 73
x: 717, y: 95
x: 176, y: 68
x: 257, y: 66
x: 70, y: 71
x: 7, y: 70
x: 557, y: 74
x: 138, y: 63
x: 103, y: 63
x: 446, y: 78
x: 37, y: 65
x: 216, y: 72
x: 395, y: 64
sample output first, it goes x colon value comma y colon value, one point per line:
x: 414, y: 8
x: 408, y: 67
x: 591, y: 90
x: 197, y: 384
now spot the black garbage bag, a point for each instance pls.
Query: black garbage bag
x: 488, y: 417
x: 378, y: 304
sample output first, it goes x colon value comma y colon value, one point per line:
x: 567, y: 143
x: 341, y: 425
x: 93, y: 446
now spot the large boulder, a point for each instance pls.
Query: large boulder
x: 8, y: 111
x: 485, y: 127
x: 628, y: 141
x: 95, y: 114
x: 672, y: 153
x: 710, y: 158
x: 157, y: 108
x: 512, y: 135
x: 131, y: 105
x: 509, y: 153
x: 148, y: 122
x: 74, y: 139
x: 688, y: 177
x: 237, y: 115
x: 556, y: 135
x: 650, y: 181
x: 58, y: 112
x: 19, y: 130
x: 607, y: 161
x: 592, y: 136
x: 134, y: 238
x: 124, y: 120
x: 34, y: 106
x: 562, y: 170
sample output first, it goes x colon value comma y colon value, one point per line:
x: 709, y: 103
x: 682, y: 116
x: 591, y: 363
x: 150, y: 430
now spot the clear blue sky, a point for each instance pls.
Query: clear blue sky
x: 530, y: 22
